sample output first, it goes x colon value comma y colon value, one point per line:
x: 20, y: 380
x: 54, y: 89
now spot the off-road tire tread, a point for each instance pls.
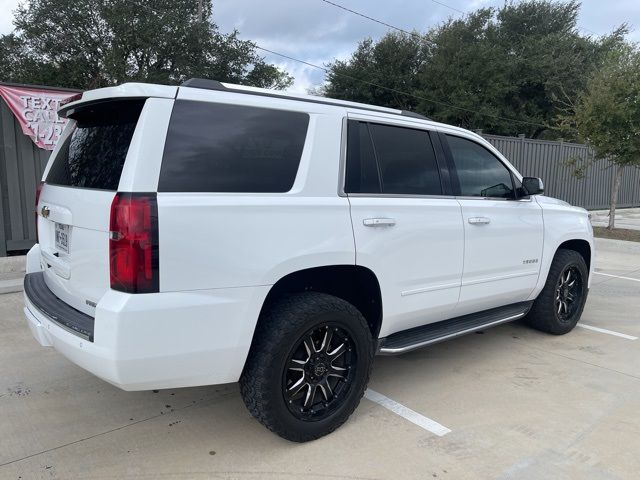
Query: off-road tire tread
x: 283, y: 315
x: 542, y: 315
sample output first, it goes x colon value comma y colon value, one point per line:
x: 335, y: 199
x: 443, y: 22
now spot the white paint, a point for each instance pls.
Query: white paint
x: 608, y: 332
x: 495, y: 273
x: 617, y: 276
x: 406, y: 413
x: 402, y: 263
x: 221, y: 252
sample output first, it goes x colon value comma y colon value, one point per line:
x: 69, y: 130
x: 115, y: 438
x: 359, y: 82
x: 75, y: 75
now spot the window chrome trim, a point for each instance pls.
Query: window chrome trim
x: 513, y: 173
x: 441, y: 197
x: 468, y: 197
x: 483, y: 142
x: 500, y: 158
x: 428, y: 128
x: 342, y: 173
x: 342, y: 168
x: 399, y: 195
x: 402, y: 122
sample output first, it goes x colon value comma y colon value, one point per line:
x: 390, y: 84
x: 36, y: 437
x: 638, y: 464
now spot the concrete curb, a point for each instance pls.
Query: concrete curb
x: 11, y: 282
x: 13, y: 264
x: 617, y: 245
x: 12, y: 274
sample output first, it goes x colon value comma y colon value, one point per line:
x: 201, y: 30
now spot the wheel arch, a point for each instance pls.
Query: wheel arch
x: 578, y: 243
x: 580, y: 246
x: 353, y: 283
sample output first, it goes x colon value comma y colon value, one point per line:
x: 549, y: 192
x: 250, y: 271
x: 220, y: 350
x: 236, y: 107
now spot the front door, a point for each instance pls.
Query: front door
x: 503, y: 234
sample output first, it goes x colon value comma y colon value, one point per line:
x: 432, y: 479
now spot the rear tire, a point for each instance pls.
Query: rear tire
x: 559, y: 306
x: 308, y: 366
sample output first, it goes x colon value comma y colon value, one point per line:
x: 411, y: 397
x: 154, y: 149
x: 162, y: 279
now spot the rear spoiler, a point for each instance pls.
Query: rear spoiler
x: 126, y: 90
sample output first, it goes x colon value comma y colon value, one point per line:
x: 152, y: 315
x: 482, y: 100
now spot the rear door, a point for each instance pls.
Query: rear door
x: 407, y: 229
x: 74, y: 206
x: 503, y: 233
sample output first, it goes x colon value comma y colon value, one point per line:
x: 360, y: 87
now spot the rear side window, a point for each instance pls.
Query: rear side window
x: 362, y: 170
x: 401, y: 159
x: 480, y: 173
x: 94, y: 154
x: 213, y: 147
x: 406, y: 160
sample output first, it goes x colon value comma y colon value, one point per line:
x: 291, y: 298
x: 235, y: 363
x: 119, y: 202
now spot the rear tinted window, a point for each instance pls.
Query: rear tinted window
x: 389, y: 159
x: 362, y: 170
x: 406, y: 161
x: 93, y: 155
x: 214, y: 147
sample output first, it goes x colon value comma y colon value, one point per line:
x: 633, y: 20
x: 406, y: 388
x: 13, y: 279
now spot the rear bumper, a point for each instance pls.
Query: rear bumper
x: 163, y: 340
x: 67, y: 317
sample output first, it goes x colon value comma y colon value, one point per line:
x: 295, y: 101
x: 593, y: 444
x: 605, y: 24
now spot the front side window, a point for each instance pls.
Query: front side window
x: 391, y: 160
x: 215, y: 147
x: 480, y: 173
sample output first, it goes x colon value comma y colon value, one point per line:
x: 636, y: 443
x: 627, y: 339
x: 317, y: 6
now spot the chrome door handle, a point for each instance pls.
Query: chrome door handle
x: 379, y: 222
x: 479, y: 220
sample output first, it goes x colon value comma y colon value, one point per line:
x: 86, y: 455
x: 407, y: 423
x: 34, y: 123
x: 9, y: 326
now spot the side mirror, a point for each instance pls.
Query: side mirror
x: 532, y: 185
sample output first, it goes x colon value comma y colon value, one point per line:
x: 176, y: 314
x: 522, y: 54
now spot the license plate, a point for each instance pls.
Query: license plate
x: 62, y: 237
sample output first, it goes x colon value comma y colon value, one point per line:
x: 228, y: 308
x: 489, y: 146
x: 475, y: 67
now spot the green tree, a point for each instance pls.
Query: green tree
x: 607, y: 115
x: 394, y: 62
x: 95, y: 43
x: 521, y: 62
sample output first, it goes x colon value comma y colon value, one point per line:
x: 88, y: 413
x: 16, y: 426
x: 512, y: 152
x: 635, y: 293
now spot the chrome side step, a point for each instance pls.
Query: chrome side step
x: 407, y: 340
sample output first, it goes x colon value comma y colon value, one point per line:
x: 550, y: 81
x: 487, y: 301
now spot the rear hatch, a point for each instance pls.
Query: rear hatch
x: 75, y: 201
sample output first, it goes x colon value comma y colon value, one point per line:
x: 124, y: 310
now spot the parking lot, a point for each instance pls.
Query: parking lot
x: 512, y: 403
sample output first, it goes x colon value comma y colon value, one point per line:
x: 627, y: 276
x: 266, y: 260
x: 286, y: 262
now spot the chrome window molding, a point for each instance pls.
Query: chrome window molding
x: 342, y: 169
x: 398, y: 195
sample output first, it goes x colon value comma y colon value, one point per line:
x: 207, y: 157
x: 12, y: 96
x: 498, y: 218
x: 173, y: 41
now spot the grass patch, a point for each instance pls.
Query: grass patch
x: 617, y: 234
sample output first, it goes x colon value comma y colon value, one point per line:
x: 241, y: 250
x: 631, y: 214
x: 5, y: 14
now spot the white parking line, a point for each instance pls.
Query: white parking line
x: 608, y: 332
x: 618, y: 276
x: 405, y: 412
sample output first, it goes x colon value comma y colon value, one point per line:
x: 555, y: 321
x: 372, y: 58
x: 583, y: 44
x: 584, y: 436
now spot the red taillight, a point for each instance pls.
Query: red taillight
x: 133, y: 243
x: 38, y: 191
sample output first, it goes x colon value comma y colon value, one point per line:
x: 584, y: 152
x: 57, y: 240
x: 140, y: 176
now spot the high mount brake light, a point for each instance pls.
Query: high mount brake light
x: 133, y: 243
x: 70, y: 99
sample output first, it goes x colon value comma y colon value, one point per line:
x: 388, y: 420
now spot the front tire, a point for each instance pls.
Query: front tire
x: 559, y: 306
x: 308, y: 367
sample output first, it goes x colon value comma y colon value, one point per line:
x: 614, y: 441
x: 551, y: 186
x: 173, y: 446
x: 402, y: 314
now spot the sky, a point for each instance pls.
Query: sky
x: 317, y: 32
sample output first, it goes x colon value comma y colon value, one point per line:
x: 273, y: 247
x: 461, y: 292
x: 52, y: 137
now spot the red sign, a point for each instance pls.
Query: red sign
x: 36, y: 111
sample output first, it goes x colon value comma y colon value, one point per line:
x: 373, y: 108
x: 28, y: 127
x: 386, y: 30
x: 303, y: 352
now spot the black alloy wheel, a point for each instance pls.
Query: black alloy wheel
x: 308, y: 366
x: 568, y: 292
x: 559, y: 305
x: 319, y: 372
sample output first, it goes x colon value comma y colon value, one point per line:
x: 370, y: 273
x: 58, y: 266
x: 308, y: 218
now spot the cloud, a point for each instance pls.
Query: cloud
x: 317, y: 32
x: 6, y: 19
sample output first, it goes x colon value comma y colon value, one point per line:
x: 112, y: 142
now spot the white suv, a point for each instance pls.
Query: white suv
x: 211, y: 233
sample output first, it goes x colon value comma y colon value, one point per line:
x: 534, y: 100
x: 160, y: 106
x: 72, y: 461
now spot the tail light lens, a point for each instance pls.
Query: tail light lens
x: 38, y: 191
x: 133, y: 243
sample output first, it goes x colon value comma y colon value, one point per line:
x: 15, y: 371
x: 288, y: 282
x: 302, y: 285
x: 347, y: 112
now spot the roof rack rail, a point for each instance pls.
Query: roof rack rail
x: 207, y: 84
x: 203, y: 83
x: 409, y: 113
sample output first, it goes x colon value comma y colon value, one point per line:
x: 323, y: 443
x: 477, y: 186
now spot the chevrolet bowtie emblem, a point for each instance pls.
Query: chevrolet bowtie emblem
x: 45, y: 211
